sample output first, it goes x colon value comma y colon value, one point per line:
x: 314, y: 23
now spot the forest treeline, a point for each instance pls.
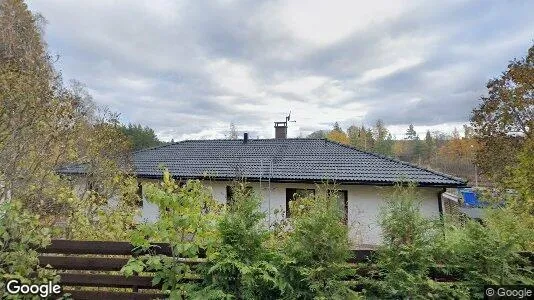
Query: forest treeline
x: 449, y: 153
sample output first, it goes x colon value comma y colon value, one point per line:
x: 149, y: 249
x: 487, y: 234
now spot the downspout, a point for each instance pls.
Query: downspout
x: 440, y: 209
x: 270, y: 175
x: 440, y: 203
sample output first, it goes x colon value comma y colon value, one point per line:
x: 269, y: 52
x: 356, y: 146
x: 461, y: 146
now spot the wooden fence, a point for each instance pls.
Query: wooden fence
x: 86, y: 267
x: 96, y: 264
x: 90, y: 269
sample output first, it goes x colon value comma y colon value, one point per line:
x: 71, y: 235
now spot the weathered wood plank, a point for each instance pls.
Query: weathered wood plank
x: 362, y: 255
x: 83, y: 263
x: 98, y: 247
x: 91, y: 295
x: 104, y: 280
x: 95, y: 263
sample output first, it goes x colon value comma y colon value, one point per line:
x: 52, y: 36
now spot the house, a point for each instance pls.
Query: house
x: 280, y: 168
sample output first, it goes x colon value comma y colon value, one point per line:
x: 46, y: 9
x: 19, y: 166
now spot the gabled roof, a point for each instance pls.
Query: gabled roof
x: 281, y: 160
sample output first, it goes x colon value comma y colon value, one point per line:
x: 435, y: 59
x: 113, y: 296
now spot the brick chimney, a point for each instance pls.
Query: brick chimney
x: 280, y: 130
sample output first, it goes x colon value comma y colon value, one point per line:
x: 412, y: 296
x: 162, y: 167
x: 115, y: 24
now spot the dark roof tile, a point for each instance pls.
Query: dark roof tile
x: 292, y: 159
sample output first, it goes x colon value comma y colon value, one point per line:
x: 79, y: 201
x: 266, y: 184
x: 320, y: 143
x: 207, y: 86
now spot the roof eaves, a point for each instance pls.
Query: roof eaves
x: 460, y: 180
x: 302, y: 180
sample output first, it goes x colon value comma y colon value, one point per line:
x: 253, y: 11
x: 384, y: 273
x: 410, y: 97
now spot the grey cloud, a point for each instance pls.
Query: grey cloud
x: 155, y: 68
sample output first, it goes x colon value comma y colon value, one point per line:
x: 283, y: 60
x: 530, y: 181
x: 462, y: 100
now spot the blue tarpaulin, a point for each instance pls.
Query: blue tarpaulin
x: 470, y: 197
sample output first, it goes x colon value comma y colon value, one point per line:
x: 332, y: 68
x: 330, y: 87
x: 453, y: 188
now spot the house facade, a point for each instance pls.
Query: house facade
x: 362, y: 204
x: 280, y: 169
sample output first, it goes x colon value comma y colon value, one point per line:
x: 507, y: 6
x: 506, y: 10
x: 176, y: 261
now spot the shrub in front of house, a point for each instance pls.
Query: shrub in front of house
x: 188, y: 222
x: 316, y: 249
x: 243, y: 266
x: 479, y: 254
x: 406, y: 258
x: 305, y: 257
x: 21, y: 234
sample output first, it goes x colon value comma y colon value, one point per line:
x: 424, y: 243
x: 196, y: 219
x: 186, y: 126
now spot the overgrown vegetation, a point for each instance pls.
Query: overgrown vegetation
x: 95, y: 216
x: 417, y: 250
x: 478, y: 255
x: 306, y: 257
x: 188, y: 219
x: 46, y: 124
x: 242, y: 266
x: 317, y: 248
x: 20, y: 236
x: 140, y: 137
x: 241, y: 260
x: 406, y: 258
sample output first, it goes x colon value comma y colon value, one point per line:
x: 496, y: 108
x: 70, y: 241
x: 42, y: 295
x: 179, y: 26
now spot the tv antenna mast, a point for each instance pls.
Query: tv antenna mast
x: 288, y: 118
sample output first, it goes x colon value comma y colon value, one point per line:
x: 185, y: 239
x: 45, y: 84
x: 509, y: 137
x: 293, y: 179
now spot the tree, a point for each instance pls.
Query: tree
x: 45, y: 124
x: 337, y: 127
x: 429, y: 146
x: 411, y: 134
x: 468, y: 131
x: 242, y: 267
x: 360, y: 137
x: 317, y: 248
x: 353, y: 133
x: 405, y: 259
x: 505, y: 118
x: 21, y: 235
x: 35, y: 123
x: 188, y: 219
x: 140, y: 137
x: 232, y: 132
x: 522, y: 181
x: 418, y: 148
x: 383, y: 139
x: 22, y: 46
x: 380, y: 131
x: 338, y: 135
x: 319, y: 134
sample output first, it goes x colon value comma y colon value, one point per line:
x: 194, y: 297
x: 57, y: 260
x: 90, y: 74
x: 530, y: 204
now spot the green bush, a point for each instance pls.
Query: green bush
x: 21, y: 235
x: 243, y: 267
x: 317, y: 249
x: 188, y: 219
x: 406, y: 258
x: 93, y: 217
x: 478, y: 255
x: 305, y: 256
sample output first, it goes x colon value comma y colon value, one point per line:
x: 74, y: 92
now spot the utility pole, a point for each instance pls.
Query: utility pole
x: 476, y: 175
x: 476, y: 169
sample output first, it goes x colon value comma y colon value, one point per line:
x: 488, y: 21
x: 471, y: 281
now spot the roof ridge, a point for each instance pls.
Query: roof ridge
x: 252, y: 139
x: 157, y: 147
x: 399, y: 161
x: 217, y: 140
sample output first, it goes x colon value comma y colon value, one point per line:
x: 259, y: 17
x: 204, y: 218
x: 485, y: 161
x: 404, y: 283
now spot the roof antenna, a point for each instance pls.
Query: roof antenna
x: 281, y: 128
x: 288, y: 118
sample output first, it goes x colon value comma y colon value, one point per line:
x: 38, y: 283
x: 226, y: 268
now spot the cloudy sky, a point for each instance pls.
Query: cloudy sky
x: 189, y: 68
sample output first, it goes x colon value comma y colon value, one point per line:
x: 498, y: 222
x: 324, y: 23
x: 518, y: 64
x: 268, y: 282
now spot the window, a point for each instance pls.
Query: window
x: 230, y: 193
x: 293, y: 194
x: 342, y: 201
x: 140, y: 194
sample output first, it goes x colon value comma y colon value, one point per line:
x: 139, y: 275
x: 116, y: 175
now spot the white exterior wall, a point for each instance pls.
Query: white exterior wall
x: 363, y: 205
